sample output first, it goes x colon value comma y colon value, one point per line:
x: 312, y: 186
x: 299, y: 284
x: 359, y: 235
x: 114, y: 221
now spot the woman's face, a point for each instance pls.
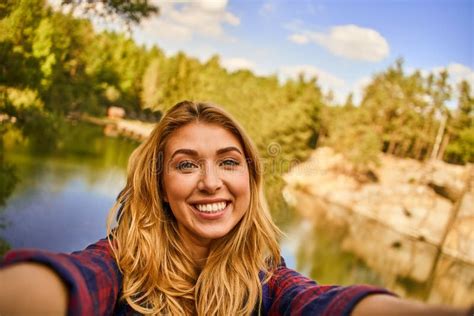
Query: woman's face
x: 206, y: 181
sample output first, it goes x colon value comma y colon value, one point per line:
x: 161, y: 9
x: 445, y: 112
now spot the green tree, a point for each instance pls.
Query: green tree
x: 404, y: 110
x: 132, y: 11
x: 440, y: 93
x: 461, y: 147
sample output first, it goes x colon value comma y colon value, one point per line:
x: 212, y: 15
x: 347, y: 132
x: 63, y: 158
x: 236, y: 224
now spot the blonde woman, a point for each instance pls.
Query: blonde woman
x: 193, y: 237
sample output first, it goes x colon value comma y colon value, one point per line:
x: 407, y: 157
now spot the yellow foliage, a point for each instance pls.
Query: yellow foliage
x: 24, y: 98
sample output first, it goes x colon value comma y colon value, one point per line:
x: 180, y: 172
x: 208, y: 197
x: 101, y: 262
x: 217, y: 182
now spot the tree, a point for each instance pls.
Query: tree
x: 130, y: 11
x: 392, y: 102
x: 440, y: 92
x: 19, y: 19
x: 349, y: 104
x: 461, y: 146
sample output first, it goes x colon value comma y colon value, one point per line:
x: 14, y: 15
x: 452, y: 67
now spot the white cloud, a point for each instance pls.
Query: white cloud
x: 233, y: 64
x: 160, y: 29
x: 182, y: 20
x: 299, y: 38
x: 231, y: 19
x: 212, y: 5
x: 349, y: 41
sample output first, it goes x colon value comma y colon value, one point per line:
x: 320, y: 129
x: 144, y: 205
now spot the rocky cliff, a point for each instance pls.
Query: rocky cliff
x: 415, y: 219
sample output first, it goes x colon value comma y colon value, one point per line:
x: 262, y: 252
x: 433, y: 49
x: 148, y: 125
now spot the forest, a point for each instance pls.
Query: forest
x: 54, y: 65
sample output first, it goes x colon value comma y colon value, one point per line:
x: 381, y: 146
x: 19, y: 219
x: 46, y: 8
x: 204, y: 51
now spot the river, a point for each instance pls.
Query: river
x: 62, y: 198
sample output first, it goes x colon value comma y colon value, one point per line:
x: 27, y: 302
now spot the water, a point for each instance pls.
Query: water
x: 337, y: 245
x: 62, y: 199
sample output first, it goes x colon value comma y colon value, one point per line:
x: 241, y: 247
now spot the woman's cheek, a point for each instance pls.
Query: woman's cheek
x: 240, y: 184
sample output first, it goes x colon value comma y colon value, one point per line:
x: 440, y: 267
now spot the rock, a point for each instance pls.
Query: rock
x: 460, y: 238
x: 445, y: 191
x: 410, y: 197
x: 445, y: 179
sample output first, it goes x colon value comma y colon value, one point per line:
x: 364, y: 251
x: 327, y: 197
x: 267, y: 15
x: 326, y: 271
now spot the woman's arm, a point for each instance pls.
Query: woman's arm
x: 390, y: 305
x: 290, y: 293
x: 30, y: 288
x: 88, y: 282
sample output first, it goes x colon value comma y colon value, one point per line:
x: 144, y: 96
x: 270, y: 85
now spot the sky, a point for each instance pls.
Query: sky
x: 343, y: 43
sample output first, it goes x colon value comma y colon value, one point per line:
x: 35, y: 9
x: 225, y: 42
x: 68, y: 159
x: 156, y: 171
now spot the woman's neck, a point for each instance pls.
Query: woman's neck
x: 199, y: 255
x: 198, y: 248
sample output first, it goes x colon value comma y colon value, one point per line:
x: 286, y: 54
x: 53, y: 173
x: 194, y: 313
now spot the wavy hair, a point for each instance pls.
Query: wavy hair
x: 159, y: 276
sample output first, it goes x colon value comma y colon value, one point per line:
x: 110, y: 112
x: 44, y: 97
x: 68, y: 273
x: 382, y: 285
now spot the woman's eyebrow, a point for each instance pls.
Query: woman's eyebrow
x: 189, y: 152
x: 227, y: 149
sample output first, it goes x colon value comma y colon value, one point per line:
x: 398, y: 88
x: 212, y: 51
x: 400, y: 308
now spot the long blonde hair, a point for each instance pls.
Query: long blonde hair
x: 159, y: 276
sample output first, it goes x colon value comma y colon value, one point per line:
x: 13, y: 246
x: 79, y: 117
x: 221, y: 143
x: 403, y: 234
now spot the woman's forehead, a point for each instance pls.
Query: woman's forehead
x: 201, y: 137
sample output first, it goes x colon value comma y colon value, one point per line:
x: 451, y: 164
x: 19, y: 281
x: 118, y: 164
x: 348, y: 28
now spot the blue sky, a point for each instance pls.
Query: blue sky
x: 342, y: 42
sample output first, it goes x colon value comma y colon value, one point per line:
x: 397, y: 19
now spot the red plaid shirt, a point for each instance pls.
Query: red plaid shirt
x: 94, y: 283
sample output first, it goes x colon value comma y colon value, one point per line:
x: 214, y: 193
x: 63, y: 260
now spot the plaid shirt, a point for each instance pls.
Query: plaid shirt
x: 94, y: 283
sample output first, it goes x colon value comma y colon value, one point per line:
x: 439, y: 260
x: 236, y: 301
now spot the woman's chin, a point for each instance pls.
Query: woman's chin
x: 215, y: 233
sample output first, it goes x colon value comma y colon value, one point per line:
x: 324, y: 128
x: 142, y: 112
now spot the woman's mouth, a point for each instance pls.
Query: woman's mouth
x: 211, y: 211
x: 211, y: 208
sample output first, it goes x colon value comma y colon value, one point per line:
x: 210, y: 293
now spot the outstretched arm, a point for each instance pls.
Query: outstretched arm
x: 32, y: 288
x: 291, y: 293
x: 87, y: 282
x: 390, y: 305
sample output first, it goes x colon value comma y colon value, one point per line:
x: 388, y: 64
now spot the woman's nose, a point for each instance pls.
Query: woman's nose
x: 210, y: 179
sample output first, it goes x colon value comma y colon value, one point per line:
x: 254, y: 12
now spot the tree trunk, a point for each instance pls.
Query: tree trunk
x: 444, y: 144
x: 405, y: 147
x: 391, y: 147
x: 467, y: 179
x: 439, y: 137
x: 420, y: 144
x: 418, y: 150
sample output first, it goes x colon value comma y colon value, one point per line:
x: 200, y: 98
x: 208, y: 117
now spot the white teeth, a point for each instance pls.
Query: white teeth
x: 211, y: 208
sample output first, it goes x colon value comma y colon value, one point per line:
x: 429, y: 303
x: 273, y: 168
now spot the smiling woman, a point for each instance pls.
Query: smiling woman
x: 206, y: 185
x: 206, y: 228
x: 193, y: 237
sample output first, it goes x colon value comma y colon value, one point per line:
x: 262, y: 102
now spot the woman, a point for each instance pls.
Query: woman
x: 194, y: 236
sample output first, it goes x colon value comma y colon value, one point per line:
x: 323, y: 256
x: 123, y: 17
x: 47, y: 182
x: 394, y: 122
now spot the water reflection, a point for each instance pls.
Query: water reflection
x: 63, y: 197
x: 340, y: 246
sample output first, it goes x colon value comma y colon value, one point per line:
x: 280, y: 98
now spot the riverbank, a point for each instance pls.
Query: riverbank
x: 134, y: 129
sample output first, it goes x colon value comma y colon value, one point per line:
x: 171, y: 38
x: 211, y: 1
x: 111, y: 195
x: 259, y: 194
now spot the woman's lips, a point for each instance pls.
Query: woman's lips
x: 207, y: 212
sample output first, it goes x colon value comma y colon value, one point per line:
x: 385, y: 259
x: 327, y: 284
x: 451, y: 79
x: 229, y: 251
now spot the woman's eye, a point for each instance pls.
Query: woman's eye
x: 229, y: 163
x: 186, y: 165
